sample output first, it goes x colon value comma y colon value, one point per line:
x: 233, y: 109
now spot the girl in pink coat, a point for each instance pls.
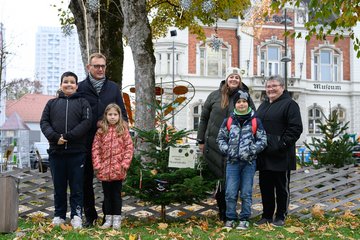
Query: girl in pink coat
x: 112, y: 152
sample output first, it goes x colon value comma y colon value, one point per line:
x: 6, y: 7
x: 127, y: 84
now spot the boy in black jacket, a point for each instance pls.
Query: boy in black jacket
x: 65, y: 122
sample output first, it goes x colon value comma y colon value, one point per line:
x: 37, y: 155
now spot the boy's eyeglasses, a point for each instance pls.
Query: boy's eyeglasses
x: 99, y: 66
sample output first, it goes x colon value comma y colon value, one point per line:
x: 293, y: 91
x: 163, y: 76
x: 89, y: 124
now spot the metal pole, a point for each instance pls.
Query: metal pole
x: 173, y: 82
x: 285, y: 78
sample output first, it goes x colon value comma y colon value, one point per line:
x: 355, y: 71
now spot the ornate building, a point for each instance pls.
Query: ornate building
x: 321, y: 75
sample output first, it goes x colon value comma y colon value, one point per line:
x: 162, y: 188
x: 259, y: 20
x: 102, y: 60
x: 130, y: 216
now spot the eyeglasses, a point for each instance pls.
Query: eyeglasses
x: 98, y: 66
x: 272, y: 86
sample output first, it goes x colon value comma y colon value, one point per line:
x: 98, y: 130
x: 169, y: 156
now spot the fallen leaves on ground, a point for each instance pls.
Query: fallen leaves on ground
x: 196, y: 228
x: 162, y: 226
x: 317, y: 212
x: 293, y: 229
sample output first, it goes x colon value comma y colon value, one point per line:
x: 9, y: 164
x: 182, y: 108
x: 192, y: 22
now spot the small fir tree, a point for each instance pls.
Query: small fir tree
x: 335, y: 147
x: 151, y: 180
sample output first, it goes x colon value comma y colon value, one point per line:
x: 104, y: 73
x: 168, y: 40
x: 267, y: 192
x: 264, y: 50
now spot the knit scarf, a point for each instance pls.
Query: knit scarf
x: 241, y: 118
x: 97, y: 84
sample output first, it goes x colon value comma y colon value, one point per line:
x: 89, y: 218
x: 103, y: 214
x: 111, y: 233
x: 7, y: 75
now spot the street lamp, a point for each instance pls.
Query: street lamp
x: 285, y: 59
x: 173, y: 33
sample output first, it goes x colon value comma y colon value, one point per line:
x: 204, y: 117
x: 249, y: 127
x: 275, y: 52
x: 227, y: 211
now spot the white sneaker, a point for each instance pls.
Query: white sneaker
x: 108, y: 222
x: 57, y: 221
x: 76, y: 222
x: 116, y: 221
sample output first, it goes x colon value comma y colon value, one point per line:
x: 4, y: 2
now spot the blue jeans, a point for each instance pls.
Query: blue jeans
x: 239, y: 176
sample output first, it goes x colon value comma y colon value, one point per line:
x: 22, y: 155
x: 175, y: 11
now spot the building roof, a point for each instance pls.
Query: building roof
x: 29, y: 107
x: 14, y: 122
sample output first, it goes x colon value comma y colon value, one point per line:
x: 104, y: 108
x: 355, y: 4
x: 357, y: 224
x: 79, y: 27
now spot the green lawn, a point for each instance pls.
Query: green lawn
x: 341, y: 227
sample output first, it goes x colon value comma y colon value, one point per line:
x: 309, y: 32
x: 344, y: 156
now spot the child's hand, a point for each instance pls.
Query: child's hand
x: 61, y: 140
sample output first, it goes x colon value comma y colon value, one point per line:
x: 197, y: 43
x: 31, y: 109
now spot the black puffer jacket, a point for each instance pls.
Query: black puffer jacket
x: 69, y: 116
x: 282, y: 122
x: 212, y: 116
x: 110, y: 93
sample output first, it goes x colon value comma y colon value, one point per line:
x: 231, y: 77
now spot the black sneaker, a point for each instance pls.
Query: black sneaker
x: 263, y: 221
x: 278, y: 223
x: 88, y: 223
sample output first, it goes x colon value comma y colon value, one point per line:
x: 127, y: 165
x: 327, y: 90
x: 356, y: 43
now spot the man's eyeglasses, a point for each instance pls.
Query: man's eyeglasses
x: 98, y: 66
x: 272, y: 86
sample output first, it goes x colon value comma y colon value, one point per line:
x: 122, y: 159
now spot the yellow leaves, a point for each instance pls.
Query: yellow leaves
x: 204, y: 225
x: 348, y: 215
x: 132, y: 237
x: 162, y: 226
x: 334, y: 200
x: 154, y: 172
x: 181, y: 213
x: 322, y: 228
x: 293, y: 229
x: 317, y: 212
x: 66, y: 227
x: 37, y: 218
x: 188, y: 230
x: 266, y: 227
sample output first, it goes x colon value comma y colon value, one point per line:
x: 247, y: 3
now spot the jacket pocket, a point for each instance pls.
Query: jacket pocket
x: 273, y: 143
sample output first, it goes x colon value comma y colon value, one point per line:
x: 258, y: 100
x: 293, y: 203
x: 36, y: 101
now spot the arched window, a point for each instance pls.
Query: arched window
x: 213, y: 62
x: 340, y: 113
x: 270, y: 54
x: 327, y: 65
x: 315, y: 116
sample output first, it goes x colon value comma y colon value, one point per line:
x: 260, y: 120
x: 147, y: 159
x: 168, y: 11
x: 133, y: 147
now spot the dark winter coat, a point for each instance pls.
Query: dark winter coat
x: 69, y: 116
x: 282, y: 122
x: 239, y: 143
x: 109, y: 93
x: 212, y: 116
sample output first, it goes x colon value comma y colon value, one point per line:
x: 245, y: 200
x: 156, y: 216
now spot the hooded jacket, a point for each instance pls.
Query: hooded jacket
x: 239, y: 143
x: 112, y: 154
x: 212, y: 116
x: 69, y: 116
x: 282, y: 122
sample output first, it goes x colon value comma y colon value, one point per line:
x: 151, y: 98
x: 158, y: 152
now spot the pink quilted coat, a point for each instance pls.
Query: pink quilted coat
x: 112, y: 154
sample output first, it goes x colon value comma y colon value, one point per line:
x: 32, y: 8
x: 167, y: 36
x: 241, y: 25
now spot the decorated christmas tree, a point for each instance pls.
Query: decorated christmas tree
x: 152, y: 179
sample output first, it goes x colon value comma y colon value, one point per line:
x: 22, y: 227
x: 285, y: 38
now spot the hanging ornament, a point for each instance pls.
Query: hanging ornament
x: 185, y: 4
x: 93, y: 5
x: 215, y: 43
x: 207, y: 6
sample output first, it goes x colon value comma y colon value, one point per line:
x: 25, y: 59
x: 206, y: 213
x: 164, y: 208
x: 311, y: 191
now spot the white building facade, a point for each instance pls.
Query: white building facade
x: 322, y: 76
x: 56, y: 54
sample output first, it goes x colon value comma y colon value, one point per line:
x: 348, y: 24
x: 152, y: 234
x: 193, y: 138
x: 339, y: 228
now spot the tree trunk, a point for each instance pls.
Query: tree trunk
x: 109, y: 34
x: 133, y: 20
x: 138, y: 32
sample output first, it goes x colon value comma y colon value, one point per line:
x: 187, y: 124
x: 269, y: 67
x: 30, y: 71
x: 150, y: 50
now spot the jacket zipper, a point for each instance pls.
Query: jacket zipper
x: 111, y: 143
x: 66, y: 118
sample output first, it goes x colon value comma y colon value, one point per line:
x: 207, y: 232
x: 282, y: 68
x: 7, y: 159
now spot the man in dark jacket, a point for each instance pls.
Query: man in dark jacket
x: 99, y: 91
x: 281, y: 118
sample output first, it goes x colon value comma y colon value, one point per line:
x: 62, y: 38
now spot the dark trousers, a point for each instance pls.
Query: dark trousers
x: 220, y: 200
x: 112, y: 197
x: 67, y: 169
x: 274, y: 188
x: 89, y: 197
